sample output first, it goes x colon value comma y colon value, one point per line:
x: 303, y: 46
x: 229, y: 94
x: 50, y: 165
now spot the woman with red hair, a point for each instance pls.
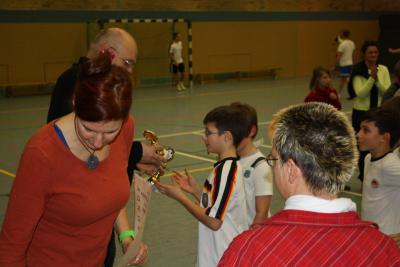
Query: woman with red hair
x: 71, y: 186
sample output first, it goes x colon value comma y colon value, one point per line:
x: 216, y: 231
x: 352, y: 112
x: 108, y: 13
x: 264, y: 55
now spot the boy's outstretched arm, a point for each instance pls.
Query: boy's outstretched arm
x: 174, y: 191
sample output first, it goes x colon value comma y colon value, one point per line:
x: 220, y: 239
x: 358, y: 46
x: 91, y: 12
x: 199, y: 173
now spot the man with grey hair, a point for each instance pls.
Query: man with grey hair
x: 313, y: 155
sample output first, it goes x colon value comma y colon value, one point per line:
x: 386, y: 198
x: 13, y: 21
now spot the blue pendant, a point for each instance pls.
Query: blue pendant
x: 92, y: 162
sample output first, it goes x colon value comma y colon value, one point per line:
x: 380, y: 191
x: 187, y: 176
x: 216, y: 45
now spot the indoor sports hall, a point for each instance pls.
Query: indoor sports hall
x: 257, y: 52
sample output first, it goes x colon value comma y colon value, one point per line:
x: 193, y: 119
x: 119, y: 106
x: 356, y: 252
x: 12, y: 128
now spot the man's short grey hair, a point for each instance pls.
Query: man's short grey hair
x: 321, y: 142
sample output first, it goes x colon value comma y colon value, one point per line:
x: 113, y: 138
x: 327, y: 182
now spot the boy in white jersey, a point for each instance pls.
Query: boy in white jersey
x: 380, y: 130
x: 221, y: 210
x: 344, y: 58
x: 178, y: 66
x: 257, y: 173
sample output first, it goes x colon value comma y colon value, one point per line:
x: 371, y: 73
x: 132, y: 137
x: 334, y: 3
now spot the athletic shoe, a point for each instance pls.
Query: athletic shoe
x: 182, y: 86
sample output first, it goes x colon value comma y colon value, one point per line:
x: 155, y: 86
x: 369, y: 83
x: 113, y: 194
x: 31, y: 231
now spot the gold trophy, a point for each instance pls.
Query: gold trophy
x: 167, y: 153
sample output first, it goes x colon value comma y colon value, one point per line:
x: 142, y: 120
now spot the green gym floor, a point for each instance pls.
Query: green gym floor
x: 176, y: 117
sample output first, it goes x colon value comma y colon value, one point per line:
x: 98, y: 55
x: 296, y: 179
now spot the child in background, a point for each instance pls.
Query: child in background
x: 321, y: 89
x: 221, y: 204
x: 257, y: 173
x: 379, y: 133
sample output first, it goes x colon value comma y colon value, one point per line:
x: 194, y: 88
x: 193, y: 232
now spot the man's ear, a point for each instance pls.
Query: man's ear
x: 293, y: 171
x: 109, y: 50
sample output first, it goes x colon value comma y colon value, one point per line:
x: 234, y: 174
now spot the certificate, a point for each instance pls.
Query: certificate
x: 142, y: 190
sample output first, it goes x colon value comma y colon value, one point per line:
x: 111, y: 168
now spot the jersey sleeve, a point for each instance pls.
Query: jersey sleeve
x: 263, y: 180
x: 26, y: 205
x: 392, y: 172
x: 223, y: 187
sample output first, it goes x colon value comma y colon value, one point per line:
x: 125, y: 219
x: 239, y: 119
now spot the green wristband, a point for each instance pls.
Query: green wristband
x: 125, y: 234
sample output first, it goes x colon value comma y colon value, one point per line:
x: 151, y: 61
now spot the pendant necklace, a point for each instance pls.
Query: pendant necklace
x: 93, y: 161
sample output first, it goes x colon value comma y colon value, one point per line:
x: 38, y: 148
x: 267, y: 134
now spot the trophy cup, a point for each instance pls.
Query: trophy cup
x: 167, y: 153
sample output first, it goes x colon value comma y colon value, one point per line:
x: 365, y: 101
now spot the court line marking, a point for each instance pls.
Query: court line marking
x: 191, y: 171
x: 194, y: 157
x: 267, y: 146
x: 200, y: 132
x: 196, y: 132
x: 154, y: 98
x: 172, y: 135
x: 7, y: 173
x: 352, y: 193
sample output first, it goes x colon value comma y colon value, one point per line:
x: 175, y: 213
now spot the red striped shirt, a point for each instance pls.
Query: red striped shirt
x: 302, y: 238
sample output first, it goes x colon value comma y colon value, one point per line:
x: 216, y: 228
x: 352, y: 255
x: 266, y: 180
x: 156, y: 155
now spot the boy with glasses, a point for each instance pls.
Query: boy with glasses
x: 221, y: 210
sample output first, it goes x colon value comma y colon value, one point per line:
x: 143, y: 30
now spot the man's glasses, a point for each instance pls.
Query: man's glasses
x: 270, y: 160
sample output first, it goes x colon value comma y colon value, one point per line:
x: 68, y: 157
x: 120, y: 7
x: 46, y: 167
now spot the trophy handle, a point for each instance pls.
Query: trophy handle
x: 150, y: 136
x: 154, y: 178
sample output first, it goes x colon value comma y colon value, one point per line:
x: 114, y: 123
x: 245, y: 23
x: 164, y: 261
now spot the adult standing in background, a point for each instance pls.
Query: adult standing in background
x: 369, y: 81
x: 178, y: 66
x: 344, y: 58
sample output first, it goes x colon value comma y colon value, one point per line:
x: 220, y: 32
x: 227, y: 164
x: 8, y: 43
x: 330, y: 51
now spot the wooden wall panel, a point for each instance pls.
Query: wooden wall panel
x: 295, y: 47
x: 33, y: 53
x: 28, y: 49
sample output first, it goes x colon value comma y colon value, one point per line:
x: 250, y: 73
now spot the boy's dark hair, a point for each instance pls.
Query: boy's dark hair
x: 174, y: 35
x: 247, y: 116
x: 387, y: 121
x: 226, y: 119
x: 346, y: 33
x: 367, y: 44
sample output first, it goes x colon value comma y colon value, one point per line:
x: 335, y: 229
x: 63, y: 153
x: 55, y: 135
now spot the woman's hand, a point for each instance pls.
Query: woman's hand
x: 141, y: 256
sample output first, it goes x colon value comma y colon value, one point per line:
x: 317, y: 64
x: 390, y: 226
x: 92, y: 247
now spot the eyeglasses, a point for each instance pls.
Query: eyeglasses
x: 129, y: 63
x: 270, y: 160
x: 207, y: 133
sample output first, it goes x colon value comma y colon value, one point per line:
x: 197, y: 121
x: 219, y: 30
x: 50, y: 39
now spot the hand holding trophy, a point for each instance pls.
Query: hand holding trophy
x: 167, y: 153
x: 143, y: 191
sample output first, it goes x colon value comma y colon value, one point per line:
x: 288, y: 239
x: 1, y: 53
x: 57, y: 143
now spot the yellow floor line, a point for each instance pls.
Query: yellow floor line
x: 166, y: 175
x: 192, y: 171
x: 7, y: 173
